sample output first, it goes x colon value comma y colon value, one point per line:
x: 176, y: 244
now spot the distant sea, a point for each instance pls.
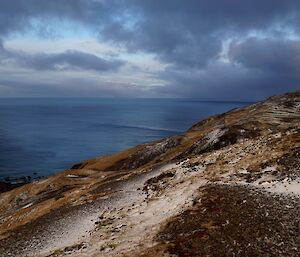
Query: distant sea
x: 41, y: 136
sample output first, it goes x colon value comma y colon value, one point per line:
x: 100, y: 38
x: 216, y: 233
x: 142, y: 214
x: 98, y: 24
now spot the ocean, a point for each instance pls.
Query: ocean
x: 41, y: 136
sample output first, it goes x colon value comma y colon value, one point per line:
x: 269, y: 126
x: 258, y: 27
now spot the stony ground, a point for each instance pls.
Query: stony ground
x: 234, y: 221
x: 230, y: 186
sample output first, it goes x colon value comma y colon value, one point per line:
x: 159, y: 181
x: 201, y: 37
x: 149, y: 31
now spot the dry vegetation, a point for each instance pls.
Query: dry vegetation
x: 229, y: 186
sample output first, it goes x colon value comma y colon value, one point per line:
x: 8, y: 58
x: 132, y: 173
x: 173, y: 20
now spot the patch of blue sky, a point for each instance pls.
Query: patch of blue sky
x: 52, y: 28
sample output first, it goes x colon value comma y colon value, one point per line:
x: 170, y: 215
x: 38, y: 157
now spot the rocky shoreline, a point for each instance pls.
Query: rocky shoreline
x: 7, y: 186
x: 8, y: 183
x: 229, y: 186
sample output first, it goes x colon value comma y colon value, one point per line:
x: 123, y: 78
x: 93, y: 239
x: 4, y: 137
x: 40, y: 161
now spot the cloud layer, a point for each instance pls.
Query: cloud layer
x: 228, y: 49
x: 68, y: 60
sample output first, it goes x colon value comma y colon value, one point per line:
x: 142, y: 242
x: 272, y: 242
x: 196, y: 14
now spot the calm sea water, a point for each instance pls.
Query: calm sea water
x: 44, y: 135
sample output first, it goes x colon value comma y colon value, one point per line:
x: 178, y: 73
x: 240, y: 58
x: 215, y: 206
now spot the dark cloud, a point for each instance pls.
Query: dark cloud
x: 20, y: 15
x: 188, y: 36
x: 68, y: 60
x: 268, y: 55
x: 187, y: 33
x: 226, y: 81
x: 190, y: 33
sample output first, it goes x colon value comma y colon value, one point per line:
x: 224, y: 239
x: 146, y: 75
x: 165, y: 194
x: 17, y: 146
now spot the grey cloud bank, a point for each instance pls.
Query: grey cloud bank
x: 227, y: 49
x: 68, y: 60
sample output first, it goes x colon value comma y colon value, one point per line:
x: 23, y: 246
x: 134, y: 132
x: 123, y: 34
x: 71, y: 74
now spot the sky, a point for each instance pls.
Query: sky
x: 208, y: 49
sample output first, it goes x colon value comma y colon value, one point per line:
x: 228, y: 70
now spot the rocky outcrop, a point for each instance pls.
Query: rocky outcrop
x: 147, y: 154
x: 6, y: 186
x: 229, y: 186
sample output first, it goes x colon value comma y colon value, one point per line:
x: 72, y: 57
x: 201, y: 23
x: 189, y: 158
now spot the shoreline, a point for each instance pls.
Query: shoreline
x: 225, y: 180
x: 9, y: 183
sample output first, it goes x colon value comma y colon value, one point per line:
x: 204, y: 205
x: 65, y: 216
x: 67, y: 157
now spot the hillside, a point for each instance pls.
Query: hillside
x: 229, y: 186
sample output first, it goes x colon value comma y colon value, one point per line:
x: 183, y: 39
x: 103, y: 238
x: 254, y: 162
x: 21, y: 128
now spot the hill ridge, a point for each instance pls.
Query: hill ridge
x: 228, y: 186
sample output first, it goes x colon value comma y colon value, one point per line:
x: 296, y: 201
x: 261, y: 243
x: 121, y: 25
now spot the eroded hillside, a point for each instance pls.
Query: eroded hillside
x: 229, y: 186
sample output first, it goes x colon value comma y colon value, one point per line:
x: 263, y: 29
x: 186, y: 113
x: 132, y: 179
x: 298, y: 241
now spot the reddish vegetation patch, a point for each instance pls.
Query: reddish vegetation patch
x: 235, y: 221
x: 290, y: 164
x: 157, y: 182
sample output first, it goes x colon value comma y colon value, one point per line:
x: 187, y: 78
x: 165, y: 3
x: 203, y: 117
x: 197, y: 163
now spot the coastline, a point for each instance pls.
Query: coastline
x: 49, y: 136
x: 179, y: 195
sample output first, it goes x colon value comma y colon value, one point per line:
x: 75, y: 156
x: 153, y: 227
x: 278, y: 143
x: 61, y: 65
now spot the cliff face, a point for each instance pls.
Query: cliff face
x: 229, y: 186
